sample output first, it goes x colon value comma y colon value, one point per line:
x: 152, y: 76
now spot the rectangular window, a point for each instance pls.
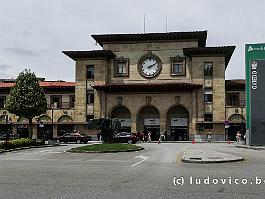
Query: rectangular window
x: 121, y: 67
x: 90, y: 72
x: 208, y: 96
x: 90, y: 97
x: 71, y: 101
x: 232, y: 99
x: 55, y: 101
x: 208, y: 117
x: 178, y: 66
x: 208, y: 69
x: 2, y: 101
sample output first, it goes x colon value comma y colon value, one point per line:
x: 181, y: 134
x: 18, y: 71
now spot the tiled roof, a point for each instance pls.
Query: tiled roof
x: 152, y: 37
x: 47, y: 84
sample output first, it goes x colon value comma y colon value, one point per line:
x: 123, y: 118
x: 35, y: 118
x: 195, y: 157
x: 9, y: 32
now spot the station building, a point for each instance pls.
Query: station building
x: 159, y: 82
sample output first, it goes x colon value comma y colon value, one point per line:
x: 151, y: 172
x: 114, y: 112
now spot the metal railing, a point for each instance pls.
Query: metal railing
x: 62, y: 105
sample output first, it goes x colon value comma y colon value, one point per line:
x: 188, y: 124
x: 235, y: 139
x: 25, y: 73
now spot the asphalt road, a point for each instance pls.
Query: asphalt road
x: 53, y: 173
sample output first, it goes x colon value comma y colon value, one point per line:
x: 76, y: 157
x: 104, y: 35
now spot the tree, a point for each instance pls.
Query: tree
x: 27, y: 98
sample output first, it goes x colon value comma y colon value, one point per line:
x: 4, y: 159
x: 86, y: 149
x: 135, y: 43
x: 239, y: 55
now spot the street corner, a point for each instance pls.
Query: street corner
x: 209, y: 156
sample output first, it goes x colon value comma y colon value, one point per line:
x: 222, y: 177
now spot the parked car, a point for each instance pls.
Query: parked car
x: 73, y: 137
x: 9, y: 136
x: 125, y: 137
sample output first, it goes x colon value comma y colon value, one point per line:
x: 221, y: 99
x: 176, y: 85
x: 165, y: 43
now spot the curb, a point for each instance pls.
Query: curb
x: 212, y: 161
x: 113, y: 151
x: 251, y: 147
x: 24, y: 148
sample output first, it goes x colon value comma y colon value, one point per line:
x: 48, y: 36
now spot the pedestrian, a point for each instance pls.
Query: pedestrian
x: 165, y: 134
x: 238, y: 137
x: 142, y: 136
x: 138, y: 136
x: 149, y: 136
x: 209, y: 136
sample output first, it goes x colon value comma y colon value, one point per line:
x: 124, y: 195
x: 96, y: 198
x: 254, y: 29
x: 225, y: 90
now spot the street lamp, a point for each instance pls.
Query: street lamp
x: 6, y: 121
x: 52, y: 107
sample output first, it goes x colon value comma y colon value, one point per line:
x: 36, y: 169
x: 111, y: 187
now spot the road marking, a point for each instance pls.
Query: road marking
x: 45, y: 151
x: 141, y: 157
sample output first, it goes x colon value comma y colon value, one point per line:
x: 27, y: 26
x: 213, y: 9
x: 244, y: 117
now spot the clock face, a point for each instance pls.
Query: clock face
x: 149, y: 66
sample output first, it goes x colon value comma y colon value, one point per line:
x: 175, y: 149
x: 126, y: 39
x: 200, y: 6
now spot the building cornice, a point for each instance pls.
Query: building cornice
x: 200, y: 36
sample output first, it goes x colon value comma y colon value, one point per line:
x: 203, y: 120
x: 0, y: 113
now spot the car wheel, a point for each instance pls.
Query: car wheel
x: 78, y: 141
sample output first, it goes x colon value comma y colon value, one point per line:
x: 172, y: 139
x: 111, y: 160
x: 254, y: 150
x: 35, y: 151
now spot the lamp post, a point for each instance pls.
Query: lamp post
x: 6, y: 129
x: 52, y: 107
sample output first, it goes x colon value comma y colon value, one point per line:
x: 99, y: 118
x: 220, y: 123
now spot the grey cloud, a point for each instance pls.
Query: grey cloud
x: 20, y: 51
x: 6, y: 66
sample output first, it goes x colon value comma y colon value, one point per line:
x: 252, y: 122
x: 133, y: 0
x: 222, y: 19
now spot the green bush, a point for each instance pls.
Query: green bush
x: 22, y: 142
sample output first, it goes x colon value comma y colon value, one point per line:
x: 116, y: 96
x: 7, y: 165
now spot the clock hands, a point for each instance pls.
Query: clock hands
x: 151, y: 65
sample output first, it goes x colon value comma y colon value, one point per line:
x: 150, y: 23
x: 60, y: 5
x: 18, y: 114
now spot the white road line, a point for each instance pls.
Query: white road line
x: 141, y: 157
x: 45, y: 151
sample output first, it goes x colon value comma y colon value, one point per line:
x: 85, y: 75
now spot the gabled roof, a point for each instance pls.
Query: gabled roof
x: 147, y: 87
x: 201, y: 36
x: 227, y: 51
x: 75, y: 55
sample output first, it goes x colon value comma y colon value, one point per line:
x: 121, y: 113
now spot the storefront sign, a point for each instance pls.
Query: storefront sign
x: 152, y: 122
x: 179, y: 121
x: 125, y: 122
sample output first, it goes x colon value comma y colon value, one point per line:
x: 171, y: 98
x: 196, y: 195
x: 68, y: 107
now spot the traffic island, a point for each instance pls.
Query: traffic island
x: 106, y: 148
x: 209, y: 156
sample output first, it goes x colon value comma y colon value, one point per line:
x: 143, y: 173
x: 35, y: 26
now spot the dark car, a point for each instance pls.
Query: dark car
x: 125, y: 137
x: 9, y: 136
x: 74, y: 137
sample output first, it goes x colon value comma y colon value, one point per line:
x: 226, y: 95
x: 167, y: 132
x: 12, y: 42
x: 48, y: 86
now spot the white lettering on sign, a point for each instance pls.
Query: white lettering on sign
x: 254, y: 75
x: 125, y: 122
x: 179, y: 121
x: 152, y: 122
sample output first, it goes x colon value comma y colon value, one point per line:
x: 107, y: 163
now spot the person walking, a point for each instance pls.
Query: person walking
x: 238, y: 137
x: 209, y: 136
x: 149, y: 136
x: 165, y: 134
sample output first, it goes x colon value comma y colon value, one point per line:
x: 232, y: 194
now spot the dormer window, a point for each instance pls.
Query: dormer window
x: 121, y: 67
x: 178, y: 66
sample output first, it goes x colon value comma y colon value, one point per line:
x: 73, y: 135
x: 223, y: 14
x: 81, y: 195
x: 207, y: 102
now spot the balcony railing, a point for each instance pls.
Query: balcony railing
x: 62, y: 105
x: 236, y: 103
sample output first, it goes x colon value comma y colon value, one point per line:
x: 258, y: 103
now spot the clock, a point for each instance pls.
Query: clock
x: 149, y: 65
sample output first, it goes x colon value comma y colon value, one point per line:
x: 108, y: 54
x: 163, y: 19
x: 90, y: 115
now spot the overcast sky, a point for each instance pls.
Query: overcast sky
x: 34, y: 32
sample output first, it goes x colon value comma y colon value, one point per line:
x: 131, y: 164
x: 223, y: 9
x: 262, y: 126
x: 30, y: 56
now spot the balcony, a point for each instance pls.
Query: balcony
x: 62, y: 105
x: 236, y: 103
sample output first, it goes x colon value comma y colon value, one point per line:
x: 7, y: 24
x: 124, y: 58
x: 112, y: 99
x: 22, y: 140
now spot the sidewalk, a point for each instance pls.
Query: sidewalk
x: 209, y: 156
x: 251, y: 147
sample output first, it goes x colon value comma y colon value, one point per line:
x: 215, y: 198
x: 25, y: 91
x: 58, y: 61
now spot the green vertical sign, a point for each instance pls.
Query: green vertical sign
x: 255, y: 93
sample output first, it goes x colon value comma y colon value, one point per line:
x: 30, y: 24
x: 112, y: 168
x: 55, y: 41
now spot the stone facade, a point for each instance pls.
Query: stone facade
x: 134, y: 98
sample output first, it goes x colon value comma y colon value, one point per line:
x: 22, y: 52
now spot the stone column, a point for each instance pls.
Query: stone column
x: 134, y: 121
x: 163, y: 122
x: 55, y: 131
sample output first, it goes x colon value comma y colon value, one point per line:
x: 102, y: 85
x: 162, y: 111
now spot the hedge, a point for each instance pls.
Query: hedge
x: 22, y: 142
